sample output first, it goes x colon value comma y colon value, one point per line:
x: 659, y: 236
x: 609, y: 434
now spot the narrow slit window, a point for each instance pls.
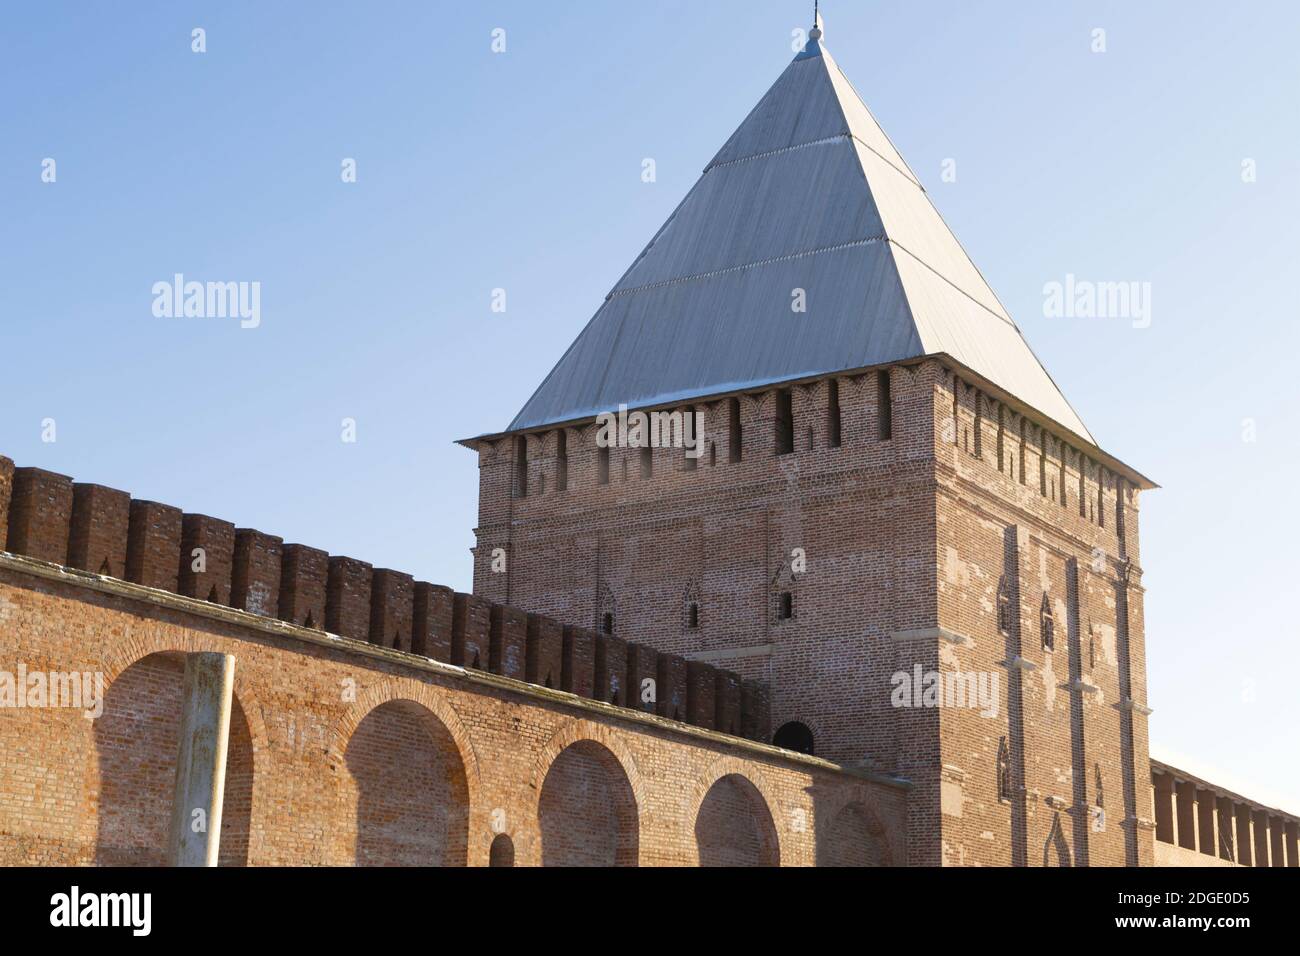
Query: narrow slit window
x: 1083, y: 488
x: 1001, y: 439
x: 1022, y: 451
x: 1004, y: 607
x: 785, y: 607
x: 956, y: 417
x: 1047, y: 624
x: 561, y: 460
x: 833, y: 420
x: 1004, y: 770
x: 602, y: 466
x: 521, y: 467
x: 1042, y: 462
x: 885, y: 406
x: 647, y: 462
x: 784, y: 421
x: 1119, y: 514
x: 734, y: 437
x: 693, y: 447
x: 1064, y: 495
x: 1101, y: 498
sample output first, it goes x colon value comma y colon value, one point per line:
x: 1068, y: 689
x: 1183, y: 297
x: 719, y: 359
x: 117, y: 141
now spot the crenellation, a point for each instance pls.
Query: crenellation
x: 392, y: 606
x: 40, y: 514
x: 347, y: 598
x: 153, y: 549
x: 98, y: 531
x: 701, y: 694
x: 471, y: 631
x: 671, y: 687
x: 727, y: 700
x: 304, y: 585
x: 207, y: 559
x: 578, y: 661
x: 609, y: 662
x: 255, y: 572
x: 507, y: 641
x: 6, y: 493
x: 544, y: 664
x: 642, y: 677
x: 755, y: 710
x: 432, y: 621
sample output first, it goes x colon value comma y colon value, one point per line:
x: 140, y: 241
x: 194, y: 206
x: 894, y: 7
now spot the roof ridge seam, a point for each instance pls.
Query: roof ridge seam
x: 885, y: 159
x: 906, y: 171
x: 777, y: 152
x: 864, y: 241
x: 817, y: 142
x: 1000, y: 318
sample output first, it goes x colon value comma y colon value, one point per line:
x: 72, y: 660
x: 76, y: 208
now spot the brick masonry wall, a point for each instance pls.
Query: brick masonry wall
x: 816, y: 576
x: 256, y: 572
x: 98, y: 534
x: 40, y: 514
x: 6, y: 492
x: 321, y: 724
x: 1055, y: 544
x: 641, y: 551
x: 904, y: 533
x: 102, y: 531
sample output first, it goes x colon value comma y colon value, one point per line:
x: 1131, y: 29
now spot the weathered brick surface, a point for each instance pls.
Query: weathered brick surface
x: 432, y: 621
x: 97, y: 541
x: 347, y: 602
x: 544, y: 665
x: 642, y: 666
x: 821, y: 574
x: 424, y: 767
x: 207, y: 558
x: 578, y: 663
x: 6, y: 492
x: 672, y: 687
x: 755, y: 711
x: 609, y: 660
x: 40, y: 514
x: 255, y: 574
x: 304, y: 581
x: 153, y: 547
x: 727, y: 699
x: 471, y: 629
x: 508, y: 642
x: 938, y: 546
x: 701, y: 694
x: 392, y: 605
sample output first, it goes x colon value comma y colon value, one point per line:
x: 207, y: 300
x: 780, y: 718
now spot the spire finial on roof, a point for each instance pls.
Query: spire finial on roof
x: 818, y: 30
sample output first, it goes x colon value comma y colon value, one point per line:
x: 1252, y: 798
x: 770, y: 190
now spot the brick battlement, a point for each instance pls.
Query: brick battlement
x: 103, y: 531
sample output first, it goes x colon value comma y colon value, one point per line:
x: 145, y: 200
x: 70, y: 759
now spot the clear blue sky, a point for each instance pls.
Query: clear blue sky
x: 522, y: 171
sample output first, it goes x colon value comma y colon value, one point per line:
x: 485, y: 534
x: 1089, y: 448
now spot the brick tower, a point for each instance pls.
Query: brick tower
x: 892, y: 523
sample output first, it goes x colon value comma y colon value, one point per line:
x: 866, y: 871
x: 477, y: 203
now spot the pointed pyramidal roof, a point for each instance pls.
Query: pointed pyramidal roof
x: 808, y: 193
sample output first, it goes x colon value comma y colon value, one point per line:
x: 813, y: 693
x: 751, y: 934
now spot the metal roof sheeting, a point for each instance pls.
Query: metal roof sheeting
x: 807, y: 194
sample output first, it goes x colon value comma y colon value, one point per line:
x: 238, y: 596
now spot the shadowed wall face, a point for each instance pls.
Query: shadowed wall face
x: 734, y: 826
x: 588, y: 811
x: 851, y: 841
x: 408, y: 784
x: 136, y: 740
